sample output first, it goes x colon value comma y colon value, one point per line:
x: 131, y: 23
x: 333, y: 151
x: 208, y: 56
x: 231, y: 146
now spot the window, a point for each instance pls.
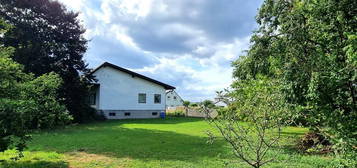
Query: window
x: 157, y: 98
x: 142, y: 98
x: 112, y: 114
x: 168, y: 97
x: 175, y: 97
x: 154, y: 113
x: 91, y: 99
x: 126, y: 114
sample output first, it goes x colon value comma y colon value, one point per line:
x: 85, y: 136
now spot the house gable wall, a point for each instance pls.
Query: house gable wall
x: 119, y: 91
x: 171, y: 102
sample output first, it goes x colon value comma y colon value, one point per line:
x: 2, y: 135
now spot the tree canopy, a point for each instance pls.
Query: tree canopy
x: 26, y: 103
x: 47, y: 37
x: 311, y: 47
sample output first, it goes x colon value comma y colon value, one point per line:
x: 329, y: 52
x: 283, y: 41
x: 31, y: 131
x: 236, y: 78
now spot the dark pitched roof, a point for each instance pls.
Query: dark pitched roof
x: 134, y: 74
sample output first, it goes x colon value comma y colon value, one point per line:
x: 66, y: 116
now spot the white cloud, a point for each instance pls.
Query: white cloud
x: 212, y: 76
x: 121, y: 35
x: 185, y: 43
x: 138, y: 8
x: 74, y: 4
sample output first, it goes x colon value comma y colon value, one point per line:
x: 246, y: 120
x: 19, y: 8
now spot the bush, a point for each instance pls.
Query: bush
x: 346, y: 160
x: 26, y: 103
x: 193, y: 105
x: 177, y: 113
x: 99, y: 115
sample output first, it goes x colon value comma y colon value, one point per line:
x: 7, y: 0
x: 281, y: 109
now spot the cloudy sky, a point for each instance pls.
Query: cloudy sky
x: 189, y: 44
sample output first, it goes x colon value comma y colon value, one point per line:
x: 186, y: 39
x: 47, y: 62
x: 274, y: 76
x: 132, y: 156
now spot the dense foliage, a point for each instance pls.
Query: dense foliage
x: 311, y: 47
x: 26, y: 103
x: 49, y: 38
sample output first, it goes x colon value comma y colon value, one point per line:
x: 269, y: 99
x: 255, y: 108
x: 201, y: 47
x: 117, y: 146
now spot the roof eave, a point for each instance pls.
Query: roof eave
x: 166, y: 86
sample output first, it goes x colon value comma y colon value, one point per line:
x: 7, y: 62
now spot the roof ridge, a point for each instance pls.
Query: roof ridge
x: 166, y: 86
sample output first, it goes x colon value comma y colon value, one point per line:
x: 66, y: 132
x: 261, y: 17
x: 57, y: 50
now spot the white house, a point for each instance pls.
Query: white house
x: 120, y: 93
x: 173, y: 100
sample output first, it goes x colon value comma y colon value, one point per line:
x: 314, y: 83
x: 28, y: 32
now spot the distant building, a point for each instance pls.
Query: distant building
x: 120, y: 93
x: 173, y: 100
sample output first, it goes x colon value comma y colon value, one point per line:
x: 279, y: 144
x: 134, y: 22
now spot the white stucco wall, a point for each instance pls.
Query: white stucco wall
x: 171, y: 101
x: 119, y: 91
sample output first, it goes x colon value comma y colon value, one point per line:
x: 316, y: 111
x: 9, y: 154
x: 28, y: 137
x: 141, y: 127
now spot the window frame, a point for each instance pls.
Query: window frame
x: 92, y: 99
x: 159, y: 102
x: 139, y: 100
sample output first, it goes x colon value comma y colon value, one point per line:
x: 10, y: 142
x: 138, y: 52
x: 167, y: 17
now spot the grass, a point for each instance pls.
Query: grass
x: 173, y: 142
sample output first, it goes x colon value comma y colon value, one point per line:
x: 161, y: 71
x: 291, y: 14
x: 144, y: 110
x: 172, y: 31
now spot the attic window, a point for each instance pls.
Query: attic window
x: 175, y: 97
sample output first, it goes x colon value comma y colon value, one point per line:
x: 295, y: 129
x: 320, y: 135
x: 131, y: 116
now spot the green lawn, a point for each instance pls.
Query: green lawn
x: 173, y: 142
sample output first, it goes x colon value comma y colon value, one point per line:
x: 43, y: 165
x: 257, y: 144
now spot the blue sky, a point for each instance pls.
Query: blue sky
x: 189, y: 44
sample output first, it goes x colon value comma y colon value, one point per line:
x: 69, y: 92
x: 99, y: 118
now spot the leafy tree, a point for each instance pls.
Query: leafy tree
x: 311, y: 46
x: 193, y: 104
x: 26, y: 103
x: 47, y: 37
x: 262, y: 105
x: 186, y: 104
x: 208, y: 103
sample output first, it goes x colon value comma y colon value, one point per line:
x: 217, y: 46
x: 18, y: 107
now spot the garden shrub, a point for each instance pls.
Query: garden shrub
x: 26, y: 103
x: 177, y: 113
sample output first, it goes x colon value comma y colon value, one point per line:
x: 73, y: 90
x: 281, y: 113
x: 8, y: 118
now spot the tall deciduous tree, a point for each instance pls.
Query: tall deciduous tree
x: 311, y: 46
x: 26, y: 102
x: 47, y: 37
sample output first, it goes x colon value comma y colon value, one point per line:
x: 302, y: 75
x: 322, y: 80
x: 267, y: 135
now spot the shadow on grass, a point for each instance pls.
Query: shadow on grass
x: 167, y: 120
x: 289, y: 133
x: 30, y: 164
x: 137, y: 143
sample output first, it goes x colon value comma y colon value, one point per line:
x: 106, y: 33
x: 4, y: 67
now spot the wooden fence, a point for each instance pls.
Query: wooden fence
x: 192, y: 112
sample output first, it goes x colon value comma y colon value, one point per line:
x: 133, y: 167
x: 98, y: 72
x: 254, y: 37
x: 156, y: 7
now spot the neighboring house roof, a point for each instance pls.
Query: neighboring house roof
x: 134, y: 74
